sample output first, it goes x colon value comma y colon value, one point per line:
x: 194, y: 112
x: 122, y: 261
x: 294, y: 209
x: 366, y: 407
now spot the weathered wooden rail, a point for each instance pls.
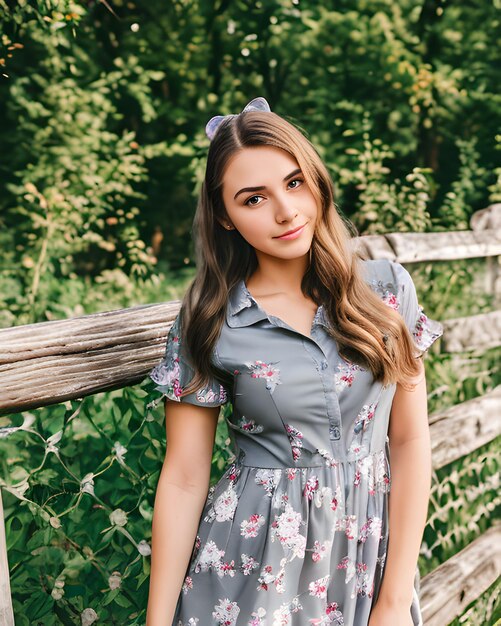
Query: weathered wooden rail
x: 81, y: 356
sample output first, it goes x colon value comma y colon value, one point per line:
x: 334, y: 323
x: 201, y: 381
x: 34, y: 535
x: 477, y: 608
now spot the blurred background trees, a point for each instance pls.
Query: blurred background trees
x: 104, y: 106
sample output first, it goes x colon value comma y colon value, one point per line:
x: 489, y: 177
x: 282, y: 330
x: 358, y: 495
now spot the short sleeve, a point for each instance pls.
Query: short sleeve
x: 423, y: 329
x: 173, y: 374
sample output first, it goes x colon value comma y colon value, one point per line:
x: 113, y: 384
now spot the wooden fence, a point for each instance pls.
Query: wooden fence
x: 73, y: 358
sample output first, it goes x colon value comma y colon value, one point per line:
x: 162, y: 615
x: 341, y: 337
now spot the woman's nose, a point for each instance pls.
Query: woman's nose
x: 285, y: 208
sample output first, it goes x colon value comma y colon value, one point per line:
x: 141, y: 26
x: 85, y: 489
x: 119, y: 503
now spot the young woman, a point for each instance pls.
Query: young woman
x: 317, y: 350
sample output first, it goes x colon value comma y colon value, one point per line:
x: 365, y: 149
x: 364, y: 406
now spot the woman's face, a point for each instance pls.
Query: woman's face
x: 266, y: 195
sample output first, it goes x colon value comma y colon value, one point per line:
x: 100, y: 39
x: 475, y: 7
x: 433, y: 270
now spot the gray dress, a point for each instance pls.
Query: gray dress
x: 295, y: 532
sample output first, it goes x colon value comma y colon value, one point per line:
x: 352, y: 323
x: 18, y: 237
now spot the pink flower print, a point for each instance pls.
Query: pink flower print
x: 320, y: 550
x: 279, y: 580
x: 425, y: 330
x: 345, y: 375
x: 268, y: 478
x: 330, y: 461
x: 357, y: 478
x: 250, y: 528
x: 333, y: 612
x: 375, y: 469
x: 322, y: 494
x: 266, y: 577
x: 187, y: 584
x: 210, y: 556
x: 284, y: 498
x: 362, y: 581
x: 349, y: 565
x: 286, y: 527
x: 295, y: 438
x: 249, y: 425
x: 391, y: 300
x: 336, y: 499
x: 176, y: 387
x: 318, y: 588
x: 372, y: 526
x: 310, y: 487
x: 233, y: 472
x: 206, y: 394
x: 224, y: 507
x: 291, y: 472
x: 248, y: 564
x: 332, y: 616
x: 258, y: 617
x: 365, y: 415
x: 271, y: 374
x: 226, y: 569
x: 226, y: 612
x: 349, y: 524
x: 282, y: 616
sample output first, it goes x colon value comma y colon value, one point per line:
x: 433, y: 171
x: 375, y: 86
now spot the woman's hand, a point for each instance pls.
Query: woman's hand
x: 384, y: 614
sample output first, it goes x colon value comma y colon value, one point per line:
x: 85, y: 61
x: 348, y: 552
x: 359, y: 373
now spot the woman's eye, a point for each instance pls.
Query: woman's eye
x: 296, y: 180
x: 249, y: 203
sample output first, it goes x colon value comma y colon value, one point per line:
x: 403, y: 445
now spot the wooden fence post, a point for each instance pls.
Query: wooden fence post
x: 6, y: 612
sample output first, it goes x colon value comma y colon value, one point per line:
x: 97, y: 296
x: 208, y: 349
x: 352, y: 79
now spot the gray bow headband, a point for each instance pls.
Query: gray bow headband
x: 257, y: 104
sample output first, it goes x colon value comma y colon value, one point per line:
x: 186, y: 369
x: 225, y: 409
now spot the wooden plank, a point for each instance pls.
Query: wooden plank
x: 475, y: 332
x: 438, y: 246
x: 446, y: 592
x: 463, y: 428
x: 50, y: 362
x: 6, y: 610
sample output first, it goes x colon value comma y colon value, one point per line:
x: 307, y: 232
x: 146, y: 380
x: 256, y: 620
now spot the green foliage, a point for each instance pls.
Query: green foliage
x: 79, y: 504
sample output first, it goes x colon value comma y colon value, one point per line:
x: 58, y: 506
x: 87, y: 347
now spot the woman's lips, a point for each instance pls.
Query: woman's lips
x: 293, y: 235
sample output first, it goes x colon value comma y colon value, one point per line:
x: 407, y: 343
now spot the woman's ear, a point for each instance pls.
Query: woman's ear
x: 226, y: 224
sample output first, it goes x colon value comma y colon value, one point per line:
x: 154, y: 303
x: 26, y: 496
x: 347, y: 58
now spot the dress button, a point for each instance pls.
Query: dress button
x: 324, y: 364
x: 336, y: 433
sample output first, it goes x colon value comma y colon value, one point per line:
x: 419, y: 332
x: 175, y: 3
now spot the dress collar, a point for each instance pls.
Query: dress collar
x: 243, y: 310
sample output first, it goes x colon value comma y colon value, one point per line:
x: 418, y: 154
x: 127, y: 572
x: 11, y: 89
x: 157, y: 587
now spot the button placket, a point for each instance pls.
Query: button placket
x: 322, y: 364
x: 332, y: 400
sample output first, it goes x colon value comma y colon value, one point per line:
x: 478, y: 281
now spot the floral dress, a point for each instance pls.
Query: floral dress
x: 296, y: 530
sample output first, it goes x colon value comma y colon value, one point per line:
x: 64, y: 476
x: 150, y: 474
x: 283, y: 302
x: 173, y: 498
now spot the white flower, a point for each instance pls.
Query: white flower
x: 57, y: 594
x: 88, y: 617
x: 118, y: 517
x: 55, y: 522
x: 52, y: 440
x: 58, y: 591
x: 87, y: 484
x: 144, y: 548
x: 120, y: 451
x: 115, y: 580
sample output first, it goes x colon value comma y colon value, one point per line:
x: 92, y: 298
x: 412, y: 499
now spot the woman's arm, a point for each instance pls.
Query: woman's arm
x: 181, y: 493
x: 410, y: 456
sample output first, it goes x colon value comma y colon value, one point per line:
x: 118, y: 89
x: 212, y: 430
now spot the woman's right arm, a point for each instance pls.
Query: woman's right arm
x: 181, y: 493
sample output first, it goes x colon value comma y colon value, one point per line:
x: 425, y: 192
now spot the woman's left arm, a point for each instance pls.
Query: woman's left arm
x: 410, y: 457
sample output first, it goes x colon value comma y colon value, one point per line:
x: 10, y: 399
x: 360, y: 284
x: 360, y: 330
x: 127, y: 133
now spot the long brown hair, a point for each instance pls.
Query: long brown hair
x: 366, y: 330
